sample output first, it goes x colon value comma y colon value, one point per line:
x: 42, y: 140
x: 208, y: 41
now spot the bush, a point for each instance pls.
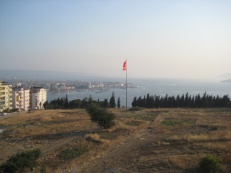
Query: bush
x: 210, y: 164
x: 72, y: 152
x: 19, y: 162
x: 101, y: 116
x: 8, y: 167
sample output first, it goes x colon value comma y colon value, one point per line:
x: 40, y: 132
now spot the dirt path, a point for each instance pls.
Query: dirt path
x: 122, y: 156
x: 49, y: 148
x: 148, y: 151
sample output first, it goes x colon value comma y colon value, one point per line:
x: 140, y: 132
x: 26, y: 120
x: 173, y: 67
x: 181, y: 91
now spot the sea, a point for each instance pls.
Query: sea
x: 159, y: 87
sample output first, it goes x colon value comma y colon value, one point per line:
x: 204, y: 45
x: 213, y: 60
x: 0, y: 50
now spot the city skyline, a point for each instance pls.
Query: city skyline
x: 159, y: 39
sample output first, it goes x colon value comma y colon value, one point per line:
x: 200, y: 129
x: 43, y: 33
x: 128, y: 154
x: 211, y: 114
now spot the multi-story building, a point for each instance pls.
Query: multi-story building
x: 21, y: 99
x: 5, y: 96
x: 38, y: 96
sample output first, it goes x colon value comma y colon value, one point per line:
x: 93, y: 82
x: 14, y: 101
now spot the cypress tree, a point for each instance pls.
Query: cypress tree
x: 112, y: 100
x: 118, y: 102
x: 134, y: 102
x: 105, y: 103
x: 66, y: 103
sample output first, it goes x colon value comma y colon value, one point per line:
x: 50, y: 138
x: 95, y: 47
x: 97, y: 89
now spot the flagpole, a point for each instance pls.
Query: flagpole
x: 125, y: 68
x: 126, y: 87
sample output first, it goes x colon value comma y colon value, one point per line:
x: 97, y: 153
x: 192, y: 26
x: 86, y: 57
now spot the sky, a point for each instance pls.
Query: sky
x: 158, y: 38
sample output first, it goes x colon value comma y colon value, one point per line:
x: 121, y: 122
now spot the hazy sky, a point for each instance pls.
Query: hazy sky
x: 159, y: 38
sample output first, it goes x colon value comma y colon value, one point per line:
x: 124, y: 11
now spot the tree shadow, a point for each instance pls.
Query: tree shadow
x: 58, y: 136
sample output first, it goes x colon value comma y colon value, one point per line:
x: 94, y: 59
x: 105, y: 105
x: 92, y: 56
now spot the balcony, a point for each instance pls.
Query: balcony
x: 2, y: 104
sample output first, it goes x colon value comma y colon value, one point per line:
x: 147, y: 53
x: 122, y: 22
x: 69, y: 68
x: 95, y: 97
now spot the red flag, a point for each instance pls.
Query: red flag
x: 125, y: 65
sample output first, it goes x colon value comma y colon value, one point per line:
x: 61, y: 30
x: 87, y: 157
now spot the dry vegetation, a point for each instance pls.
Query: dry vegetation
x: 147, y: 140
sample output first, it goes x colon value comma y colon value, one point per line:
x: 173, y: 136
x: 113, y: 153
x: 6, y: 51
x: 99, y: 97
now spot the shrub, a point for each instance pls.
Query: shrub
x: 72, y: 152
x: 21, y: 161
x: 210, y: 164
x: 8, y: 167
x: 101, y: 116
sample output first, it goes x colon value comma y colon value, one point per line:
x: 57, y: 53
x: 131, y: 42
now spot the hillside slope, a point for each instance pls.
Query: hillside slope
x: 147, y: 140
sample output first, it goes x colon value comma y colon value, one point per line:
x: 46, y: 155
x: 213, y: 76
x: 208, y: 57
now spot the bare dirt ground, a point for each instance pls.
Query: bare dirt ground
x: 148, y: 140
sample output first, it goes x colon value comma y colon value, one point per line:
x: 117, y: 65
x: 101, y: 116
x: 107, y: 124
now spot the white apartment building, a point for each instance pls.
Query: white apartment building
x: 38, y: 96
x: 5, y: 96
x: 21, y: 99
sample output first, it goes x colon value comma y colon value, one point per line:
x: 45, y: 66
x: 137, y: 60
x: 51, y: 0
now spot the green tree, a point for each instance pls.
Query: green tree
x: 118, y: 102
x: 112, y: 100
x: 46, y: 104
x: 105, y: 103
x: 100, y: 116
x: 134, y: 102
x: 90, y: 99
x: 75, y: 104
x: 210, y: 164
x: 66, y: 102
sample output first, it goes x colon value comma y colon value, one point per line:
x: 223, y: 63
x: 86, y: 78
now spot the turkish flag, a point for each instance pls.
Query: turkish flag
x: 125, y: 65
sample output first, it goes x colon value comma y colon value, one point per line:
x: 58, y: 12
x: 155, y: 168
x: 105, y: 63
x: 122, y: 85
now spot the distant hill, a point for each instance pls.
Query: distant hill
x: 228, y: 80
x: 40, y: 75
x: 224, y: 76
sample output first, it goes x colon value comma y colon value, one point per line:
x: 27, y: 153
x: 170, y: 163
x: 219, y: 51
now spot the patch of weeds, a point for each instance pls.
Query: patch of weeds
x: 9, y: 134
x: 112, y: 135
x: 210, y: 128
x: 210, y: 164
x: 108, y: 136
x: 133, y: 123
x: 96, y: 141
x: 170, y: 122
x: 68, y: 113
x: 135, y: 109
x: 146, y: 117
x: 72, y: 152
x: 21, y: 161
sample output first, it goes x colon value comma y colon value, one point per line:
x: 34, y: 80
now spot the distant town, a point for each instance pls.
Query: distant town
x: 24, y: 95
x: 66, y: 84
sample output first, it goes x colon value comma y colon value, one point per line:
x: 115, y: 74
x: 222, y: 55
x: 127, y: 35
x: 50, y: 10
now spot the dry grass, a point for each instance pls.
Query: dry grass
x: 41, y: 129
x: 47, y: 122
x: 221, y: 146
x: 197, y: 131
x: 184, y: 161
x: 94, y: 138
x: 215, y: 136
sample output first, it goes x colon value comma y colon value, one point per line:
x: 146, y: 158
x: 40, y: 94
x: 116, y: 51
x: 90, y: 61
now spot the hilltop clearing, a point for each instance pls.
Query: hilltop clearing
x: 143, y: 140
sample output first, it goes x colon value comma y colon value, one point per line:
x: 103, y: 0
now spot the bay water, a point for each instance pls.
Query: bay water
x: 159, y: 87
